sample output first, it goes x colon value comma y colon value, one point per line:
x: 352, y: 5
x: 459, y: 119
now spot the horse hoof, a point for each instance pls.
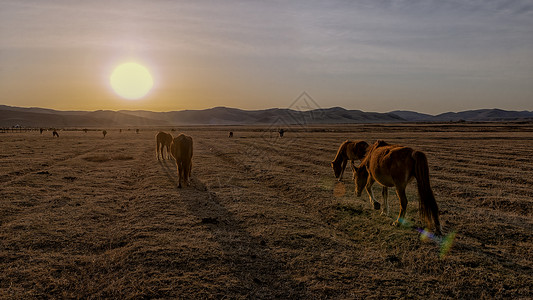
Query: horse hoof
x: 377, y: 205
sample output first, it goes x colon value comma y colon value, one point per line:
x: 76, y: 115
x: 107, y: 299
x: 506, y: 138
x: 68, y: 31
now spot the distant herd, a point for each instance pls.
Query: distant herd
x: 389, y: 165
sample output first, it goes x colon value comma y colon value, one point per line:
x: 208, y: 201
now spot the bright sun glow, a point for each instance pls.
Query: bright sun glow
x: 131, y: 81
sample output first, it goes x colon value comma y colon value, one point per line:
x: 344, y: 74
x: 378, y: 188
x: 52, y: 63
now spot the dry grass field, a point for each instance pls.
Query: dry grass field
x: 86, y: 217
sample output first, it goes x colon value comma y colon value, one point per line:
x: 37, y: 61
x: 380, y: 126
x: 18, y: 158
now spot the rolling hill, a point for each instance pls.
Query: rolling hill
x: 41, y: 117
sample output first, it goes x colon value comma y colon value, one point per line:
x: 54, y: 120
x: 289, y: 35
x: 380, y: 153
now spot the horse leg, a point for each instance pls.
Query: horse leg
x: 370, y: 193
x: 157, y: 150
x: 400, y: 191
x: 385, y: 194
x: 353, y: 169
x: 179, y: 166
x: 343, y: 166
x: 187, y: 174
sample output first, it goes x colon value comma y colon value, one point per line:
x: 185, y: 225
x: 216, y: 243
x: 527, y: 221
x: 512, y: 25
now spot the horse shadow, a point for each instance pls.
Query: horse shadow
x: 249, y: 257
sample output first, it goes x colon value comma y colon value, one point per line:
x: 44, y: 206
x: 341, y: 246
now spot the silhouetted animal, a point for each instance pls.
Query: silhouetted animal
x: 41, y: 130
x: 231, y: 134
x: 396, y: 166
x: 181, y: 150
x: 281, y: 132
x: 163, y: 140
x: 348, y: 151
x: 54, y: 134
x: 104, y: 133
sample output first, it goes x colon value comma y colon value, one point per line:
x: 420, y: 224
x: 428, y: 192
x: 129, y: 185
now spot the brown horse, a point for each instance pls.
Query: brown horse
x: 181, y: 150
x: 348, y: 151
x: 396, y: 166
x: 162, y: 140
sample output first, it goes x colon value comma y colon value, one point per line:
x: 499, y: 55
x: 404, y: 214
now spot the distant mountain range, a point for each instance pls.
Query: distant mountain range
x: 40, y: 117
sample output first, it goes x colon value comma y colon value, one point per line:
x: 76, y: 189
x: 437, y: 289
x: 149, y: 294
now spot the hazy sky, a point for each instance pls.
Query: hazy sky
x: 429, y: 56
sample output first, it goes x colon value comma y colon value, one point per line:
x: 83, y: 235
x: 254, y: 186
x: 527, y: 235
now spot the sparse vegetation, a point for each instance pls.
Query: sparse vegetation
x: 86, y: 217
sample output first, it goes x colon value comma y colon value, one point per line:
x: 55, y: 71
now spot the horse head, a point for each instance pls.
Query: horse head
x: 361, y: 178
x: 337, y: 168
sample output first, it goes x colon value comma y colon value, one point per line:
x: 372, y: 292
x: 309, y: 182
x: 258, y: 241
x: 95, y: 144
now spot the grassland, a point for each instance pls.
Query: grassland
x: 86, y: 217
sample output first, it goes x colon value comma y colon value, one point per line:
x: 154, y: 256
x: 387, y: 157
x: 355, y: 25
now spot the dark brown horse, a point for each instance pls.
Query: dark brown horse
x: 181, y: 150
x: 348, y: 151
x: 396, y: 166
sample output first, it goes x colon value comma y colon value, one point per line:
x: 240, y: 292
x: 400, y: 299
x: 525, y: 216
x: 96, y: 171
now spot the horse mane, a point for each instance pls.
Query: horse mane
x: 341, y: 151
x: 370, y: 149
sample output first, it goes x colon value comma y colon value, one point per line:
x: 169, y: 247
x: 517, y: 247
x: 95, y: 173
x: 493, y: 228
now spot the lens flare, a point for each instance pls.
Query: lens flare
x: 446, y: 244
x: 339, y: 190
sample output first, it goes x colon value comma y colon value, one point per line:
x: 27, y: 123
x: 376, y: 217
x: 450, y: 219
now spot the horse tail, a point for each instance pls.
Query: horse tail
x: 429, y: 210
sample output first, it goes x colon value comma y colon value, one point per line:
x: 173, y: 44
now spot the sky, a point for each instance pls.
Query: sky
x: 428, y: 56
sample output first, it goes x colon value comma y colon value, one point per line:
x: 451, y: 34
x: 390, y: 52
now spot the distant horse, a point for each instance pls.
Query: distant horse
x: 104, y: 133
x: 162, y: 140
x: 181, y: 150
x: 281, y: 132
x: 41, y: 130
x: 230, y: 134
x: 54, y: 134
x: 348, y: 151
x: 396, y: 166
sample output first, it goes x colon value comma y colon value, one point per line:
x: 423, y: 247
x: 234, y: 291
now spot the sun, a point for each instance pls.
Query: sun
x: 131, y: 81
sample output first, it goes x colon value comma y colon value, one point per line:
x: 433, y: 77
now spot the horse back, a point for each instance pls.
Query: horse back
x: 181, y: 147
x: 164, y: 138
x: 391, y: 164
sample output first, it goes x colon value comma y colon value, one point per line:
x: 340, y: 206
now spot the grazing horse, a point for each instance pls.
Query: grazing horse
x: 348, y: 151
x: 181, y: 150
x: 396, y: 166
x: 162, y: 140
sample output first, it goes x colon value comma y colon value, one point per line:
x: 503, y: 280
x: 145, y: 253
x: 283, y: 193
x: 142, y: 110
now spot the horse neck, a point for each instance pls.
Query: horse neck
x: 341, y: 153
x: 366, y: 158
